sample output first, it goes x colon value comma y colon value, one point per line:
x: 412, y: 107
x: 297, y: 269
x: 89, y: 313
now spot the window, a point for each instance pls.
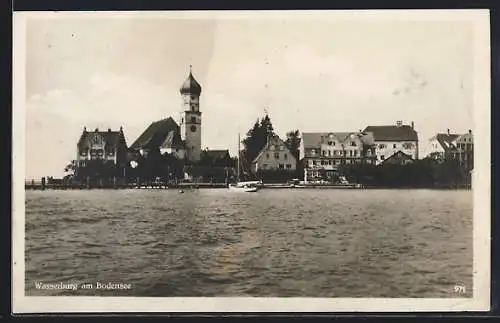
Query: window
x: 409, y: 145
x: 323, y: 152
x: 193, y: 107
x: 276, y: 155
x: 285, y: 156
x: 393, y: 145
x: 313, y: 152
x: 315, y: 162
x: 381, y: 146
x: 330, y: 162
x: 272, y: 147
x: 350, y: 153
x: 267, y: 156
x: 355, y: 153
x: 288, y: 166
x: 193, y: 119
x: 382, y: 157
x: 329, y: 153
x: 282, y: 148
x: 353, y: 143
x: 193, y: 97
x: 281, y: 166
x: 193, y: 128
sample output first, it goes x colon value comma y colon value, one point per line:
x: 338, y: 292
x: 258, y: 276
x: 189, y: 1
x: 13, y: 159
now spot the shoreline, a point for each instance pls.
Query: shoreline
x: 53, y: 187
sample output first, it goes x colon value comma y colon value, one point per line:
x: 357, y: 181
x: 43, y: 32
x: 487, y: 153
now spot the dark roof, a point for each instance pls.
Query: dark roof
x: 111, y: 139
x: 447, y: 141
x: 190, y: 86
x: 397, y: 158
x: 393, y: 133
x: 162, y: 133
x: 217, y: 154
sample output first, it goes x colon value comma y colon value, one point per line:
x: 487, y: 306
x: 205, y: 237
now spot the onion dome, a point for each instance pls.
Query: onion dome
x: 190, y: 85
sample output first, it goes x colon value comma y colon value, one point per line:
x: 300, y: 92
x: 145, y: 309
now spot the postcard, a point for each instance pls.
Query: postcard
x: 251, y: 161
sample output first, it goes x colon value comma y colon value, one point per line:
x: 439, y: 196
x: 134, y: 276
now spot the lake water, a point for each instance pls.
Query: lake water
x: 273, y: 243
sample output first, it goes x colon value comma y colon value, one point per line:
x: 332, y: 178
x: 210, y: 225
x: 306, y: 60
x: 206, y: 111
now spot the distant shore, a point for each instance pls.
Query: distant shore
x: 32, y: 185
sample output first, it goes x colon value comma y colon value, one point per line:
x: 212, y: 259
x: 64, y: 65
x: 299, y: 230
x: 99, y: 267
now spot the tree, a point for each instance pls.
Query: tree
x: 293, y: 142
x: 256, y: 138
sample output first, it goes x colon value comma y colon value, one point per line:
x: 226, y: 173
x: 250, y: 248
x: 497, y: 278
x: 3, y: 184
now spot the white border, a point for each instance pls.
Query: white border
x: 481, y: 182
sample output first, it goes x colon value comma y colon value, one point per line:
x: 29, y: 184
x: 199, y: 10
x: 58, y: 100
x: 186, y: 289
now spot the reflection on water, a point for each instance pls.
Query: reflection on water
x: 318, y: 243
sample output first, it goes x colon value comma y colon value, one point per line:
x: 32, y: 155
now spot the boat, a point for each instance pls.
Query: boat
x: 249, y: 186
x: 243, y: 186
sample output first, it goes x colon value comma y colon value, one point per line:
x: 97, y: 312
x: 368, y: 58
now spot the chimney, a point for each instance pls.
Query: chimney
x: 96, y: 129
x: 121, y: 129
x: 109, y: 129
x: 412, y: 125
x: 84, y: 129
x: 448, y: 131
x: 470, y: 132
x: 399, y: 123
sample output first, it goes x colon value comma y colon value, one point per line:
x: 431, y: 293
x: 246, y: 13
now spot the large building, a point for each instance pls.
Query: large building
x: 182, y: 140
x: 323, y: 153
x: 445, y: 146
x: 274, y: 156
x: 392, y: 139
x: 107, y: 146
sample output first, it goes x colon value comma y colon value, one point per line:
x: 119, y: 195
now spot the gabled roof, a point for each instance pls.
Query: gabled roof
x: 272, y: 140
x: 112, y: 139
x: 315, y: 139
x: 397, y: 158
x: 447, y: 141
x: 217, y: 154
x: 393, y: 133
x: 159, y: 133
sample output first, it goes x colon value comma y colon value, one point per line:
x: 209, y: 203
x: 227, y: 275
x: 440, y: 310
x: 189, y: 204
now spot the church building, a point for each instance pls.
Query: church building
x: 182, y: 140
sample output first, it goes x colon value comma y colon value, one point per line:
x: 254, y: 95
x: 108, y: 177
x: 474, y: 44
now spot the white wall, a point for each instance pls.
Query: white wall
x: 392, y: 147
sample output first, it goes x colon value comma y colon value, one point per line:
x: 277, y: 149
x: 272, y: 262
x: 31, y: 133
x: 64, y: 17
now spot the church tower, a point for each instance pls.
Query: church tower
x: 191, y: 117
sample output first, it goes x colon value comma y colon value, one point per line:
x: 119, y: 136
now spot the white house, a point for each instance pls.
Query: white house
x: 391, y: 139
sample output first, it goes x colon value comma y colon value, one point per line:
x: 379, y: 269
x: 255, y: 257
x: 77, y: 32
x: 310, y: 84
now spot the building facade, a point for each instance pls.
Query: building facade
x: 441, y: 146
x: 446, y: 146
x: 465, y: 150
x: 391, y: 139
x: 324, y: 153
x: 274, y: 156
x: 106, y: 146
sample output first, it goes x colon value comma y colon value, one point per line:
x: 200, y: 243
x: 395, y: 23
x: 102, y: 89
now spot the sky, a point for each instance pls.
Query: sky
x: 309, y: 74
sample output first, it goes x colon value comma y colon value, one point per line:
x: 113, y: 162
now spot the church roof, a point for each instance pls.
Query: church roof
x: 190, y: 85
x: 111, y: 139
x: 162, y: 133
x: 393, y: 133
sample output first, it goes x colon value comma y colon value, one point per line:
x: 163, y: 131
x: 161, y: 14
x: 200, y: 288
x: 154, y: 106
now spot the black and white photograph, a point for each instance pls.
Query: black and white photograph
x: 251, y: 161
